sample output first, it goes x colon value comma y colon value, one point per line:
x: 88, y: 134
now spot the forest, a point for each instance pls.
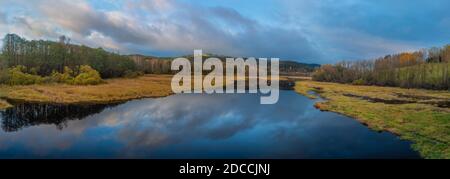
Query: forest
x: 39, y: 61
x: 426, y: 68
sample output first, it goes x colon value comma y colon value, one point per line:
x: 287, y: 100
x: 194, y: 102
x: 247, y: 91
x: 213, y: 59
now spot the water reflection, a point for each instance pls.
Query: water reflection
x: 195, y: 126
x: 25, y: 115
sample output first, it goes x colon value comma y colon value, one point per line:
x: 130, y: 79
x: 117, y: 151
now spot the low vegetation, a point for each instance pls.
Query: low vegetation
x: 20, y: 75
x: 421, y: 116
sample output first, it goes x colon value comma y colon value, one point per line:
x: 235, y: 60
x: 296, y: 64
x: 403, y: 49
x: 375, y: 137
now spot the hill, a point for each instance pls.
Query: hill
x: 158, y: 65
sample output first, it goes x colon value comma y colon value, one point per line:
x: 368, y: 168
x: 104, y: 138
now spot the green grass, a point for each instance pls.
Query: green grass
x: 426, y: 125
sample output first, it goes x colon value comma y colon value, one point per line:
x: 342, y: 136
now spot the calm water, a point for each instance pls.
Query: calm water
x: 193, y: 126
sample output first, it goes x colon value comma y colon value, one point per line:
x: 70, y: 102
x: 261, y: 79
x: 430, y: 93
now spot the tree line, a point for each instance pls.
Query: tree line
x: 427, y: 68
x: 42, y: 57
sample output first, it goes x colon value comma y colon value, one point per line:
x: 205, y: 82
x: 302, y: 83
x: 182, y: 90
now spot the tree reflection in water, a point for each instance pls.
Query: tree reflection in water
x: 29, y: 114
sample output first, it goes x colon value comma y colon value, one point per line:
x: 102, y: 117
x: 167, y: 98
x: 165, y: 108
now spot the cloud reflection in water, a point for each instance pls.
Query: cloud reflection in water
x: 204, y: 126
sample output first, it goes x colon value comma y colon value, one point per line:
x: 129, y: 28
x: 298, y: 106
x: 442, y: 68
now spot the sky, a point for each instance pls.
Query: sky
x: 311, y: 31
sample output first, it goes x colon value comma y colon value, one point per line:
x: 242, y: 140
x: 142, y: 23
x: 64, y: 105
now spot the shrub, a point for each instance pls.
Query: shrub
x: 66, y: 77
x: 18, y: 77
x: 359, y: 82
x: 33, y: 71
x: 87, y: 76
x: 133, y: 74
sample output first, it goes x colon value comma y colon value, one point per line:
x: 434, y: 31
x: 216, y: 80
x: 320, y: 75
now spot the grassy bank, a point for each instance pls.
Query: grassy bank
x: 112, y: 91
x: 421, y: 116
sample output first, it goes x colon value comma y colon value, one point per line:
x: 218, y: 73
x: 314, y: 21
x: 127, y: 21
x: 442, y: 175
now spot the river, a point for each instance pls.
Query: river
x: 193, y: 126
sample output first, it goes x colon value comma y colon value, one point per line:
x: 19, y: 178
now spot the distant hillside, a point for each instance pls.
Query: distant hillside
x: 152, y: 64
x: 296, y: 68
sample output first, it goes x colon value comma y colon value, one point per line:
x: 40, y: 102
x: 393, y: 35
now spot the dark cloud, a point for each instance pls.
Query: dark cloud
x: 397, y: 20
x: 278, y: 42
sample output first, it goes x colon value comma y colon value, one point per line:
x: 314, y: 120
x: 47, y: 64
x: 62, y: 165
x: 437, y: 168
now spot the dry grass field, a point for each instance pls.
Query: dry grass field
x: 113, y: 90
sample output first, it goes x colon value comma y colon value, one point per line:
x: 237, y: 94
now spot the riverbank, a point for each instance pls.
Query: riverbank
x: 114, y: 90
x: 421, y: 116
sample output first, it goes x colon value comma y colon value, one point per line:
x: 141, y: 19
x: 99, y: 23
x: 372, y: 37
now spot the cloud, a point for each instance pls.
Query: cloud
x: 169, y: 27
x: 351, y: 44
x: 310, y: 31
x: 82, y: 19
x: 351, y: 29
